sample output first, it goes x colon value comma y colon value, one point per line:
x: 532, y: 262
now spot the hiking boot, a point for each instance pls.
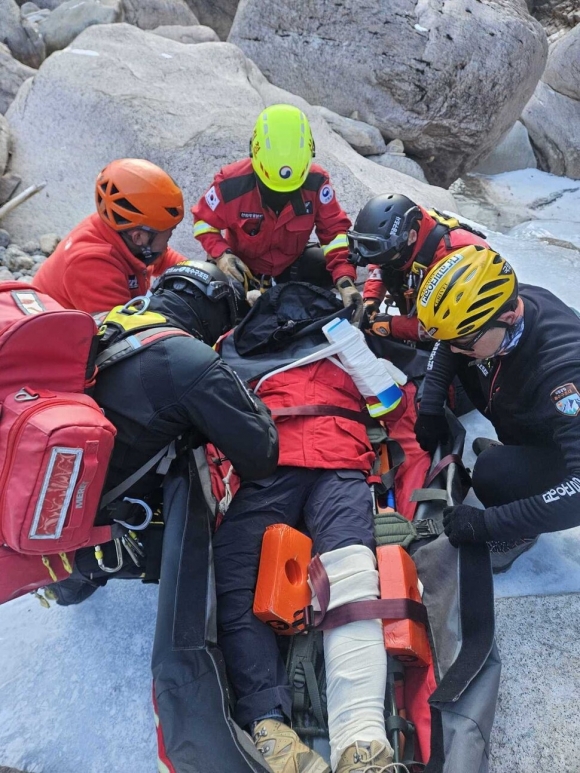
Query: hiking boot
x: 284, y: 751
x: 503, y: 554
x: 481, y: 444
x: 365, y: 757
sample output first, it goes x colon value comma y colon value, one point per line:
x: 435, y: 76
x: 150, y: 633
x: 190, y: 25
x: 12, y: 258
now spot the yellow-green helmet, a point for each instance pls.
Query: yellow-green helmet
x: 464, y: 292
x: 282, y: 148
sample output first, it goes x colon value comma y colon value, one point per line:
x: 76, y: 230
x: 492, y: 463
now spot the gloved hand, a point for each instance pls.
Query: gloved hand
x: 233, y: 266
x: 350, y: 297
x: 430, y: 430
x: 381, y: 325
x: 465, y: 524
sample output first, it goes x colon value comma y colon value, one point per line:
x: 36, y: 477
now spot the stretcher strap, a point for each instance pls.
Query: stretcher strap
x: 362, y: 417
x: 384, y: 609
x: 441, y: 465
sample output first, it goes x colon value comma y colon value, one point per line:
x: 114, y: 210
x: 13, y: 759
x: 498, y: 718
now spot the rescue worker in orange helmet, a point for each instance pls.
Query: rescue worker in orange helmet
x: 257, y: 216
x: 111, y: 256
x: 399, y: 241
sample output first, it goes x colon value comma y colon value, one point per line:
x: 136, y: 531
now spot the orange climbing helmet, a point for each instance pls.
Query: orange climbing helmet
x: 134, y: 193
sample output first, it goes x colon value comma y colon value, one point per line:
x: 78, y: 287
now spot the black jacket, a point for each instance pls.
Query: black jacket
x: 180, y: 386
x: 532, y: 397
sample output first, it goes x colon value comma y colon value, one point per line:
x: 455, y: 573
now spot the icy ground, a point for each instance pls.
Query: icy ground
x: 75, y: 683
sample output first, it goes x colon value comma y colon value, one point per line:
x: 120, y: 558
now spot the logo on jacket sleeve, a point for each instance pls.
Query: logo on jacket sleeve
x: 212, y: 199
x: 566, y: 398
x: 326, y: 194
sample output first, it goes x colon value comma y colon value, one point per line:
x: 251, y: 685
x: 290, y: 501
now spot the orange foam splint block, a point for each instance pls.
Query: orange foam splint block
x: 282, y: 589
x: 406, y: 640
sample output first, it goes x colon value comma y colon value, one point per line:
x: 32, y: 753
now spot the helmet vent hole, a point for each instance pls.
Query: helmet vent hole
x: 173, y: 211
x: 119, y: 219
x: 446, y: 314
x: 125, y: 204
x: 493, y: 284
x: 113, y: 190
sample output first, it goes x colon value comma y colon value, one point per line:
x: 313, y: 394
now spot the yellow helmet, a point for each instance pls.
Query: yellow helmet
x: 282, y: 148
x: 464, y: 292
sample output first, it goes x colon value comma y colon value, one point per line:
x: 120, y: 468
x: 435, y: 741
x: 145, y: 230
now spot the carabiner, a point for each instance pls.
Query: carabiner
x: 100, y: 558
x: 148, y: 515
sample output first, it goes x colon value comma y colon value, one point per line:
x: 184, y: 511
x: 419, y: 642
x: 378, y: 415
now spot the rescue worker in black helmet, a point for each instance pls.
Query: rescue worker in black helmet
x: 516, y: 350
x: 257, y: 217
x: 173, y: 387
x: 399, y: 241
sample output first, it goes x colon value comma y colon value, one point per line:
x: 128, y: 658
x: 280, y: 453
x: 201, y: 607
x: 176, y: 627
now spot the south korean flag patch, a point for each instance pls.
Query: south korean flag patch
x: 566, y: 398
x: 326, y: 194
x: 212, y: 199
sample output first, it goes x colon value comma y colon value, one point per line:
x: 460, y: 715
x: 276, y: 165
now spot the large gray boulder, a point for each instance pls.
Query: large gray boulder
x: 552, y: 116
x: 119, y: 91
x: 12, y: 75
x: 197, y: 33
x: 20, y: 35
x: 449, y: 79
x: 217, y: 14
x: 366, y: 140
x: 149, y: 14
x: 67, y: 21
x: 513, y: 152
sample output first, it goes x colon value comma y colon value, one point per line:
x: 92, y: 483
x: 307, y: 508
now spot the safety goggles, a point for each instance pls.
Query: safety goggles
x: 369, y: 246
x: 468, y: 343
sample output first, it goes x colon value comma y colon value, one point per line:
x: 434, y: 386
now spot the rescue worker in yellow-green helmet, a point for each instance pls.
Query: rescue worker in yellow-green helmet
x: 256, y: 218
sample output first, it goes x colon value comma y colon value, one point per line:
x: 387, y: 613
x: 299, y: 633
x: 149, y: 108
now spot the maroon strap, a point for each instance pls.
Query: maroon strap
x: 384, y: 609
x: 440, y: 466
x: 362, y: 417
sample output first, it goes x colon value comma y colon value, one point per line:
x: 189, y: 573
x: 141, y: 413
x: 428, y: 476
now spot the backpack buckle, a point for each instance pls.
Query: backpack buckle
x: 25, y: 394
x: 428, y: 528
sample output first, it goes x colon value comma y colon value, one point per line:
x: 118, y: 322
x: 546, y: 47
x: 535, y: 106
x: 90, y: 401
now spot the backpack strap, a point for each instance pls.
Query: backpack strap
x: 137, y: 341
x: 362, y: 417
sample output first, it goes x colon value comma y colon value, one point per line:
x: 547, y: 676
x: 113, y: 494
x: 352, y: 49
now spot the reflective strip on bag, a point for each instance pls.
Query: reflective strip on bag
x: 339, y: 242
x: 59, y: 483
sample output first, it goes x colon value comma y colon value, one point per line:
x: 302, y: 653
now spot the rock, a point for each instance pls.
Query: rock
x: 30, y: 247
x: 8, y: 184
x: 4, y: 143
x: 4, y: 238
x: 562, y: 71
x: 449, y: 84
x: 366, y: 140
x: 12, y: 75
x: 194, y: 34
x: 553, y: 123
x: 25, y: 279
x: 16, y: 259
x: 21, y: 37
x: 401, y: 163
x: 73, y: 16
x: 149, y: 14
x: 27, y: 8
x: 217, y: 14
x: 49, y: 243
x: 5, y: 276
x: 396, y: 146
x: 513, y: 152
x: 49, y: 5
x: 110, y: 95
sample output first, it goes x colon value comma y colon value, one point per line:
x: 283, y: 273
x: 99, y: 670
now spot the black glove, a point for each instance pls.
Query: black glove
x: 465, y: 524
x: 430, y: 430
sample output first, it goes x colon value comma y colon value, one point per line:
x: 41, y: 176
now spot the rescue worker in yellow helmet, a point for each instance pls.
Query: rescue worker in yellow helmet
x: 256, y: 218
x: 516, y: 350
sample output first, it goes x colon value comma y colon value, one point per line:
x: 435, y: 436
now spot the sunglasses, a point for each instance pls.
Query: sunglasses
x: 468, y: 343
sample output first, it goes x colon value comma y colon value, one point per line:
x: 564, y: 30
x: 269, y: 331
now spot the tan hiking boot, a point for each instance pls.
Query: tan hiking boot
x: 365, y: 757
x: 284, y: 751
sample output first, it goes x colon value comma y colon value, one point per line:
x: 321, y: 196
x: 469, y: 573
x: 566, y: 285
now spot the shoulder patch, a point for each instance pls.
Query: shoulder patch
x: 212, y: 199
x: 326, y: 193
x: 566, y: 398
x: 234, y: 187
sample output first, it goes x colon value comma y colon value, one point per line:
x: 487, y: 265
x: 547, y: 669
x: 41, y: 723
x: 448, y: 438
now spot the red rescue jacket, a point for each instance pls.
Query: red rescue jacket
x: 326, y: 442
x: 93, y: 270
x: 230, y: 215
x: 403, y: 327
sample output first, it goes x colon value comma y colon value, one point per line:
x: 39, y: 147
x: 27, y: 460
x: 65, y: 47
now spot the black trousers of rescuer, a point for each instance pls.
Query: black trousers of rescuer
x: 505, y: 474
x: 336, y: 506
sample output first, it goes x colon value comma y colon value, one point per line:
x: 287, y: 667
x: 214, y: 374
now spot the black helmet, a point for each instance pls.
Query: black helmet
x: 215, y: 304
x: 381, y: 231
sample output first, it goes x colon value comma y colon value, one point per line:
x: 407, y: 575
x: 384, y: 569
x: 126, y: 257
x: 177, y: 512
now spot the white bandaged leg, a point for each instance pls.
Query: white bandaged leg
x: 355, y: 656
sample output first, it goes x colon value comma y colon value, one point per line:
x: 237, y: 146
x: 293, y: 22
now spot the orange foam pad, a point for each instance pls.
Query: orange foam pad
x: 405, y: 640
x: 282, y: 590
